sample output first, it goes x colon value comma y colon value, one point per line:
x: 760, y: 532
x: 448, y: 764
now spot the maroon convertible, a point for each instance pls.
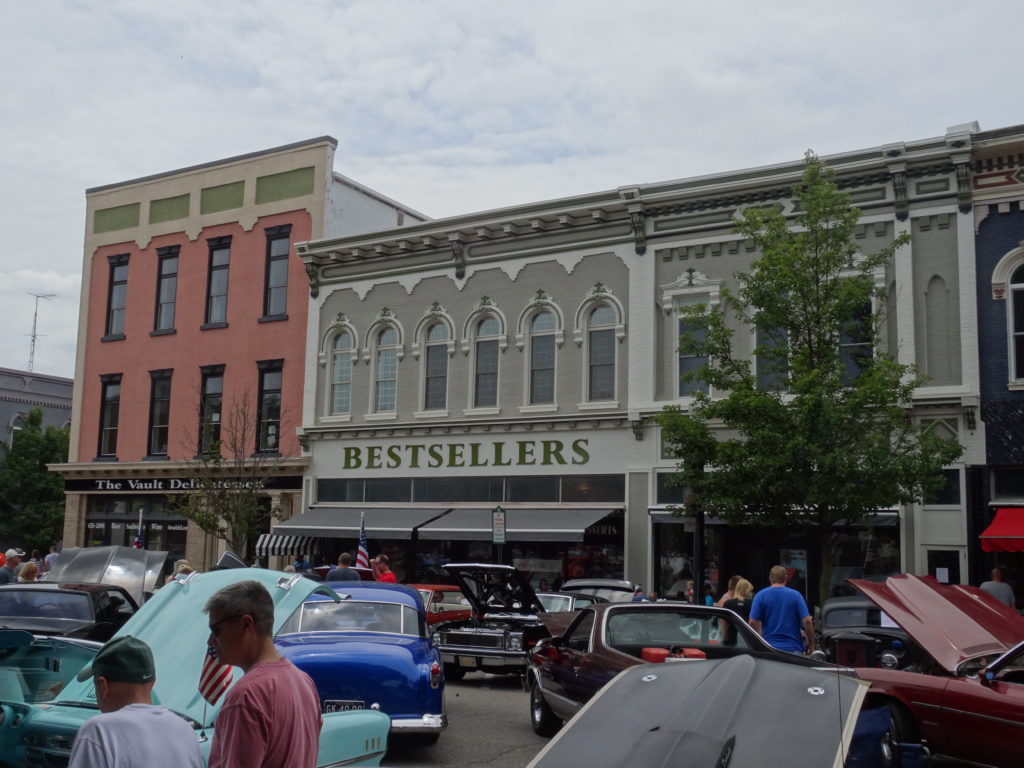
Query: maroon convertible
x: 967, y: 701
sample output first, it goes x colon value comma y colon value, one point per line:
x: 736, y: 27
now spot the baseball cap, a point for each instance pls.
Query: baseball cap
x: 14, y: 552
x: 122, y: 660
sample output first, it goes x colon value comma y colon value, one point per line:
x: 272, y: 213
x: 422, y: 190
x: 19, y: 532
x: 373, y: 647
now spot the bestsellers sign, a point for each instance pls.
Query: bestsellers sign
x: 510, y: 453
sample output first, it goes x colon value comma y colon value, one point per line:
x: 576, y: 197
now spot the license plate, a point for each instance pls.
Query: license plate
x: 467, y: 661
x: 336, y: 705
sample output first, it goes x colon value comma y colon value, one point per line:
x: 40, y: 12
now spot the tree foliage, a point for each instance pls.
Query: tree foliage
x: 32, y: 497
x: 837, y: 441
x: 228, y: 478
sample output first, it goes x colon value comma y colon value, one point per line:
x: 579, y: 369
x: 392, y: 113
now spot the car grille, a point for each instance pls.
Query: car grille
x: 472, y: 639
x: 854, y: 653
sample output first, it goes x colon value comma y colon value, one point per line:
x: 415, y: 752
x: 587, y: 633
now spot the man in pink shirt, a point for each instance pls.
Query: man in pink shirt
x: 271, y: 717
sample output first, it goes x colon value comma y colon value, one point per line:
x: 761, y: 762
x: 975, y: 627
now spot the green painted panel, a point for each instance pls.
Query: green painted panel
x: 120, y: 217
x: 222, y: 198
x: 168, y: 209
x: 282, y: 186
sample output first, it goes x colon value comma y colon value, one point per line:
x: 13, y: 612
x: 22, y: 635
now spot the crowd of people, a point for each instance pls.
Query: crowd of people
x: 16, y: 568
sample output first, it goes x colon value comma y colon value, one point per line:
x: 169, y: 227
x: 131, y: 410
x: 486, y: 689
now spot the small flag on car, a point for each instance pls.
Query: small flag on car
x: 215, y: 677
x: 363, y: 554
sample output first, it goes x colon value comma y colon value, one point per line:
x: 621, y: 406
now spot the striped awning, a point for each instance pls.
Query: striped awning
x: 277, y: 544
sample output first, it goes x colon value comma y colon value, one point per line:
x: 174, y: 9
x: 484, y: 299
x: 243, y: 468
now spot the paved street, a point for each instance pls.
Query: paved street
x: 489, y: 725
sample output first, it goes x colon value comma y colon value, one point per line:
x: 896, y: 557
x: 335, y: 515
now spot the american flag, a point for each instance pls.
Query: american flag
x: 140, y: 542
x: 215, y: 677
x: 363, y: 554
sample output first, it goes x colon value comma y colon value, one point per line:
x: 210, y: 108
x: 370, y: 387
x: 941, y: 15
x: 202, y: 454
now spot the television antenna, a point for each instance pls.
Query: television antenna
x: 35, y: 315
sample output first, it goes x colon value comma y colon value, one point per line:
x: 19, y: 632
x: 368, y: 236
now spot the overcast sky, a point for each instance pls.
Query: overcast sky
x: 451, y: 106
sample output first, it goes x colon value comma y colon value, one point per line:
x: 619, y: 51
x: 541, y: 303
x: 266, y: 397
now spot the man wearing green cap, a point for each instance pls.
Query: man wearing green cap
x: 131, y: 731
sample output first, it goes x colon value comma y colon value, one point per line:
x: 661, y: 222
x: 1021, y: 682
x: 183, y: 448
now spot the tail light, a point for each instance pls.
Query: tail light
x: 435, y: 675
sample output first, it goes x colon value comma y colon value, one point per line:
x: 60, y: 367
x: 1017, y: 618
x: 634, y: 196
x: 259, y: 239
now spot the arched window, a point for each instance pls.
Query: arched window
x: 386, y: 371
x: 341, y: 373
x: 1017, y: 321
x: 601, y: 353
x: 435, y: 389
x: 542, y: 358
x: 485, y: 379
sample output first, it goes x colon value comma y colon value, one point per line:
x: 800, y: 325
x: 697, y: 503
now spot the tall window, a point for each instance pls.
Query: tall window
x: 485, y: 383
x: 166, y: 288
x: 855, y: 342
x: 217, y: 282
x: 268, y: 437
x: 1017, y: 321
x: 159, y: 411
x: 210, y: 405
x: 110, y: 407
x: 689, y: 362
x: 601, y: 350
x: 341, y: 373
x: 117, y: 296
x: 772, y: 362
x: 275, y: 292
x: 542, y: 358
x: 386, y: 371
x: 436, y: 384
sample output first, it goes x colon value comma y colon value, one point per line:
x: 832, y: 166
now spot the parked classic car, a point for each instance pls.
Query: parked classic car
x: 854, y: 632
x: 568, y: 601
x: 90, y: 611
x: 614, y: 590
x: 569, y: 668
x: 370, y: 650
x: 138, y: 571
x: 504, y: 624
x: 967, y: 702
x: 172, y: 623
x: 743, y: 711
x: 443, y: 602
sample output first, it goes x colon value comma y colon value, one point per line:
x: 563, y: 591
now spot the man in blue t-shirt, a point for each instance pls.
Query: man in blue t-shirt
x: 779, y: 614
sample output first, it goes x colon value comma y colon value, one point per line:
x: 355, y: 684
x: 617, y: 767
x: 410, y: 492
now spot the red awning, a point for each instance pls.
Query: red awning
x: 1006, y: 532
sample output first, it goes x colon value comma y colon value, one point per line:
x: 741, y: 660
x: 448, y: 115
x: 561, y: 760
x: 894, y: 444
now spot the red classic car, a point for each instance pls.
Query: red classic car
x: 966, y: 700
x: 443, y: 602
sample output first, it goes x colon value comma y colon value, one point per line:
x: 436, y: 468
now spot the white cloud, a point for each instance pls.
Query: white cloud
x: 457, y: 105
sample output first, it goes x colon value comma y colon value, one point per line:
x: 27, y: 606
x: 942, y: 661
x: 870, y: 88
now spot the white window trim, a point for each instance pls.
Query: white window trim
x: 525, y: 335
x: 419, y: 348
x: 469, y: 348
x: 1002, y: 290
x: 688, y: 287
x: 327, y: 356
x: 370, y: 357
x: 581, y: 337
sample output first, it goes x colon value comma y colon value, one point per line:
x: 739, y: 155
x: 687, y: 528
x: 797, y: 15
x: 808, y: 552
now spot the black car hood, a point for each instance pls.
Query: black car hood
x: 709, y: 714
x: 495, y: 588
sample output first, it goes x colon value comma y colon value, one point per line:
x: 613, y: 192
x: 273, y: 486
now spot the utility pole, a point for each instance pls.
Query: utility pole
x: 35, y: 314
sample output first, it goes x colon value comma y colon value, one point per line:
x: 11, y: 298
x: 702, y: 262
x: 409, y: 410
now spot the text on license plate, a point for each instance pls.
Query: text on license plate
x: 467, y: 661
x: 336, y: 705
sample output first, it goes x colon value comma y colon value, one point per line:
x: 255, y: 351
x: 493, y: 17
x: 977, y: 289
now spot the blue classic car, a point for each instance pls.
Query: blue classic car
x: 42, y: 704
x: 371, y: 650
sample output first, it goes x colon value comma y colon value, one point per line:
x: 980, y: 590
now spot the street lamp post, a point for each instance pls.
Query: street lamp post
x: 692, y: 507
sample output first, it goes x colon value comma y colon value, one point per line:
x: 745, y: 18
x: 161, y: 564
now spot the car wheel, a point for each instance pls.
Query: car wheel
x: 902, y: 730
x: 453, y: 673
x: 543, y: 720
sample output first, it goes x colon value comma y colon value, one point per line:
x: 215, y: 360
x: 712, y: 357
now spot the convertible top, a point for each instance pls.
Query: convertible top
x: 711, y: 714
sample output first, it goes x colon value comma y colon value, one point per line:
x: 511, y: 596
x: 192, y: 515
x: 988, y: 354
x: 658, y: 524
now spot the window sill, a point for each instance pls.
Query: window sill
x: 113, y: 337
x: 266, y: 455
x: 438, y: 414
x: 489, y: 411
x: 163, y: 332
x: 106, y: 459
x: 546, y: 408
x: 1015, y: 386
x: 389, y: 416
x: 211, y: 326
x: 272, y: 318
x: 156, y: 457
x: 598, y: 405
x: 336, y: 418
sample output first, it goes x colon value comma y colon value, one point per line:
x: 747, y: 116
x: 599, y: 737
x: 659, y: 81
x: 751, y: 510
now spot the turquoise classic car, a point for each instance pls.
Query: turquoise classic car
x: 42, y: 705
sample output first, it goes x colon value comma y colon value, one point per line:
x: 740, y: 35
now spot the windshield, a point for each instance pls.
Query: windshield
x: 37, y: 672
x: 355, y: 616
x: 44, y: 603
x: 554, y: 603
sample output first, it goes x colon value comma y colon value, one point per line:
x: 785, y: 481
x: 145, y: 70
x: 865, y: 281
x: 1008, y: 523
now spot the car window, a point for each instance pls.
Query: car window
x: 631, y: 630
x: 45, y: 603
x: 553, y: 603
x: 357, y: 616
x: 37, y: 672
x: 584, y: 600
x: 578, y: 638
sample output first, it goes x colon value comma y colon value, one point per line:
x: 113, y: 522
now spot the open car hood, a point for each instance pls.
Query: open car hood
x: 495, y: 588
x: 137, y: 570
x: 709, y: 714
x: 173, y: 624
x: 952, y: 622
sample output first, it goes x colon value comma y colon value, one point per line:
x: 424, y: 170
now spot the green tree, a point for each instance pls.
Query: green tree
x: 31, y: 497
x: 834, y: 439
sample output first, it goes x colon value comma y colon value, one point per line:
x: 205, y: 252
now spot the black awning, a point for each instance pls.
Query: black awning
x: 344, y: 522
x: 521, y: 524
x: 276, y: 544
